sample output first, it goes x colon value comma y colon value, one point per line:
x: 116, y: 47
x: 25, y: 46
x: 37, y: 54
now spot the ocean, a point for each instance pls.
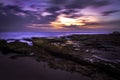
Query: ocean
x: 21, y: 35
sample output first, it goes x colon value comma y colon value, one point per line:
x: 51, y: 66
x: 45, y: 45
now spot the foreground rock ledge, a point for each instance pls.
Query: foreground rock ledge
x: 89, y: 55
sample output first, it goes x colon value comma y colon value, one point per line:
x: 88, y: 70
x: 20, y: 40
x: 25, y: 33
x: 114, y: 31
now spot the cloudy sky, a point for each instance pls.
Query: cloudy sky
x: 60, y: 15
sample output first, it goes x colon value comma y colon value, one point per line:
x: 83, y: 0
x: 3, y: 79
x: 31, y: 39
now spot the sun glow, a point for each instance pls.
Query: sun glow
x: 64, y: 20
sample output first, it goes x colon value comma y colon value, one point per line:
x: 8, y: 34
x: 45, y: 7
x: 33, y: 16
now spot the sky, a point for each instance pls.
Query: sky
x: 60, y: 15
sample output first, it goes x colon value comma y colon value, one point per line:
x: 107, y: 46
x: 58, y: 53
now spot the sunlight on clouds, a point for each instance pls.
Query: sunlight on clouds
x: 91, y: 27
x: 90, y: 11
x: 64, y: 20
x: 46, y: 14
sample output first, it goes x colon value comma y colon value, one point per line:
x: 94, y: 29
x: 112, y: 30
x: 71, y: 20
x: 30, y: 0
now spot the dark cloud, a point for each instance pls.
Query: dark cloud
x: 52, y: 6
x: 70, y: 6
x: 14, y: 8
x: 11, y: 21
x: 114, y: 23
x: 69, y: 11
x: 57, y: 2
x: 107, y: 13
x: 101, y: 3
x: 46, y: 19
x: 9, y: 18
x: 53, y: 9
x: 72, y: 27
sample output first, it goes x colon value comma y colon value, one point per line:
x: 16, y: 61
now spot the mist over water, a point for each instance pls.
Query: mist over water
x: 20, y: 35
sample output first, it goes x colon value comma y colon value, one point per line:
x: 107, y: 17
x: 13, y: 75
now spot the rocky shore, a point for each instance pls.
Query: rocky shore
x: 95, y: 56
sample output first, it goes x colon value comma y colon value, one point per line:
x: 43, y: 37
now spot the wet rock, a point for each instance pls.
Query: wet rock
x: 19, y: 47
x: 3, y: 46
